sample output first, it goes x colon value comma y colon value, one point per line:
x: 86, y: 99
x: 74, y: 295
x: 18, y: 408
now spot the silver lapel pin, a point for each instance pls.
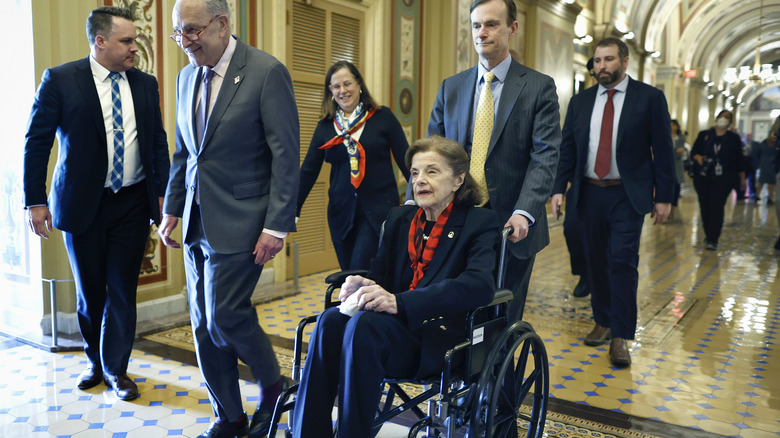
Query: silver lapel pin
x: 236, y: 79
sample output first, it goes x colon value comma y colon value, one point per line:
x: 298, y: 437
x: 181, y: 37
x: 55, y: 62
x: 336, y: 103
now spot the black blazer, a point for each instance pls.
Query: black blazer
x: 730, y: 154
x: 458, y: 279
x: 67, y: 105
x: 378, y: 193
x: 645, y: 155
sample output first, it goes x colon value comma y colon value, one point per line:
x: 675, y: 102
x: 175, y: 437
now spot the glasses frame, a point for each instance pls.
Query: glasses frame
x: 178, y: 36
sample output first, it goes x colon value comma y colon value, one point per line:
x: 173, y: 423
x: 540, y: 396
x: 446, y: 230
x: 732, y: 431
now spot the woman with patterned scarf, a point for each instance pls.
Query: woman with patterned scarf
x: 357, y: 137
x: 435, y: 263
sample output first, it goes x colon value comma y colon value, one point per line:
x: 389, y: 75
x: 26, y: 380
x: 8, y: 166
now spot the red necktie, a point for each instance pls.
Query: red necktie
x: 604, y: 154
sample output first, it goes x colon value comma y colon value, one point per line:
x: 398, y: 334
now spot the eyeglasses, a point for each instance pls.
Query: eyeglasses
x: 334, y: 88
x: 190, y: 34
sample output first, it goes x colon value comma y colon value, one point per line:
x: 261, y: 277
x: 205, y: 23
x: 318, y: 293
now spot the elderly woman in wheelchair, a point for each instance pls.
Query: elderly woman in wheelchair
x: 435, y: 263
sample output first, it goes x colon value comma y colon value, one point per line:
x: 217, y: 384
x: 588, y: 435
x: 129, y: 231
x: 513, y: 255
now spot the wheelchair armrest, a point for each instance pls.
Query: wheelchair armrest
x: 339, y: 277
x: 501, y: 296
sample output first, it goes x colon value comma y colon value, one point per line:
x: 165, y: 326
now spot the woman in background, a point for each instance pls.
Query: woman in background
x: 680, y: 155
x: 357, y: 137
x: 718, y: 156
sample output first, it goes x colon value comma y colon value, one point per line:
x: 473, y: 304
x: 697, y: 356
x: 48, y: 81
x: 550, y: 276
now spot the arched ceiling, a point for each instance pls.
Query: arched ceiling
x: 711, y: 34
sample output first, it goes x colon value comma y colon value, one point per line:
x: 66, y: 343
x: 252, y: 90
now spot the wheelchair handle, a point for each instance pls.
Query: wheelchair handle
x: 501, y: 264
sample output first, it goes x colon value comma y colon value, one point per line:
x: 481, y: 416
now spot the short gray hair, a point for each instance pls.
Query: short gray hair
x: 216, y: 7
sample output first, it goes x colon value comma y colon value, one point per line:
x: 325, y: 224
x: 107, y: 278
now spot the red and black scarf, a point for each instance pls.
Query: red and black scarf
x: 357, y: 155
x: 420, y: 250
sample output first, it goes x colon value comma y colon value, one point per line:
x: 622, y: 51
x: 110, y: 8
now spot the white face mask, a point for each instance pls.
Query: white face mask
x: 722, y: 122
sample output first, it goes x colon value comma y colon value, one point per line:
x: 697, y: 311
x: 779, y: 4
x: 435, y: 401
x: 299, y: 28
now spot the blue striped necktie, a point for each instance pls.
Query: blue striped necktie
x: 117, y: 169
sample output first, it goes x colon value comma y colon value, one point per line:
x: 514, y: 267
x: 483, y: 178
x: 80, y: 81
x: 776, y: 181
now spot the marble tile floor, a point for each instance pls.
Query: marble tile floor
x: 705, y: 361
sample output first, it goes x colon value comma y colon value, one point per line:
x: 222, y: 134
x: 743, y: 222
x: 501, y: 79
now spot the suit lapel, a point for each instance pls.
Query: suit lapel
x: 190, y: 80
x: 465, y: 105
x: 629, y: 103
x: 585, y: 113
x: 137, y: 92
x: 90, y: 97
x: 449, y: 237
x: 513, y: 86
x: 230, y: 83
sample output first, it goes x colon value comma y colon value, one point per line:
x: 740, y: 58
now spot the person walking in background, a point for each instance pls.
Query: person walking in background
x: 617, y: 155
x: 357, y: 137
x: 765, y: 156
x: 108, y: 184
x: 717, y: 153
x: 233, y: 181
x: 680, y: 155
x: 506, y: 116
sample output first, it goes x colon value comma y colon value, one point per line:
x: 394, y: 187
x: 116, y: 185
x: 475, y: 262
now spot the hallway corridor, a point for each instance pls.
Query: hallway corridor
x: 705, y: 362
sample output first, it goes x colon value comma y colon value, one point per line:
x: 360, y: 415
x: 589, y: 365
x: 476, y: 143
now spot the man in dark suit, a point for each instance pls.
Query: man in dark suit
x: 518, y: 161
x: 617, y: 154
x: 234, y: 181
x: 112, y: 168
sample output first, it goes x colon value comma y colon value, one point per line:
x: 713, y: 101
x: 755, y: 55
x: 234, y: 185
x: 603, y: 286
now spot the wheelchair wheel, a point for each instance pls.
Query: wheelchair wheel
x: 505, y: 384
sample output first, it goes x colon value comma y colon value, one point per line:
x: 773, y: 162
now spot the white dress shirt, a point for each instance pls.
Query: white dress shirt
x: 132, y: 167
x: 595, y: 128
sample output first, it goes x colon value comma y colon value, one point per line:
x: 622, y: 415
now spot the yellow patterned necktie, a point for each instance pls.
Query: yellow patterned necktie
x: 483, y: 128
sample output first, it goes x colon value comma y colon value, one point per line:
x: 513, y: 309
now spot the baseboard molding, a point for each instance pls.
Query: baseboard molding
x: 148, y: 310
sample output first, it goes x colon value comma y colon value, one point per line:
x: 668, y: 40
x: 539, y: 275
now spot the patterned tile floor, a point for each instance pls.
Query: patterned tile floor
x: 704, y: 360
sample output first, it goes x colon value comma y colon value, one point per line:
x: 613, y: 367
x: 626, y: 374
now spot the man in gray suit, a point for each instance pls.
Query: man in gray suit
x: 234, y: 181
x: 522, y: 152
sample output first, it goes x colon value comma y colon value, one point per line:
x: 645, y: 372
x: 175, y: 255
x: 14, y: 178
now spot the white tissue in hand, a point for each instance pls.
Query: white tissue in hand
x: 350, y: 306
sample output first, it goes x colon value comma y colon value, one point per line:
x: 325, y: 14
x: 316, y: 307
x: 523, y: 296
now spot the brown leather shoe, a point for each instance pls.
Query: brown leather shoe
x: 618, y: 353
x: 90, y: 377
x: 123, y: 386
x: 598, y: 336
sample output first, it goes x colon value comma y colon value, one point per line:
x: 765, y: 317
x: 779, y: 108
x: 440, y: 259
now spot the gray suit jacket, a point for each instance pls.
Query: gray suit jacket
x: 246, y: 171
x: 523, y: 153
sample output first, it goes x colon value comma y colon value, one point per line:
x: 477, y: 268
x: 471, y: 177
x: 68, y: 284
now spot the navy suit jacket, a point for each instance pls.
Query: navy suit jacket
x: 523, y: 151
x: 67, y: 105
x: 644, y: 152
x: 378, y: 193
x: 459, y: 278
x: 246, y: 170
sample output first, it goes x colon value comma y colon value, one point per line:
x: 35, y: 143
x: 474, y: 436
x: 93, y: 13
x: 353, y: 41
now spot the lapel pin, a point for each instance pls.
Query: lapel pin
x: 236, y: 79
x: 451, y: 235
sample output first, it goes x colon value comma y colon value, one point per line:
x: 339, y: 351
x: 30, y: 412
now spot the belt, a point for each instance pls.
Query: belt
x: 125, y: 190
x: 603, y: 182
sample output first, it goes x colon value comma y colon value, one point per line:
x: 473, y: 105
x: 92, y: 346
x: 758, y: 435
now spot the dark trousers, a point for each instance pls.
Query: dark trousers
x: 517, y: 278
x: 359, y: 246
x: 611, y: 229
x: 105, y: 262
x: 713, y: 191
x: 574, y: 240
x: 348, y: 358
x: 224, y: 321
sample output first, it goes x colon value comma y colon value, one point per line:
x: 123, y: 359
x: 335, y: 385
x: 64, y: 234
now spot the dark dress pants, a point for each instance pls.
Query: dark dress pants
x: 359, y: 246
x: 224, y: 321
x: 349, y: 358
x: 713, y: 191
x: 574, y: 239
x: 105, y: 261
x: 611, y: 229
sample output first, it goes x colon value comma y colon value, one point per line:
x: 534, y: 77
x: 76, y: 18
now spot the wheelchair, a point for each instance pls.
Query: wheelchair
x: 497, y: 378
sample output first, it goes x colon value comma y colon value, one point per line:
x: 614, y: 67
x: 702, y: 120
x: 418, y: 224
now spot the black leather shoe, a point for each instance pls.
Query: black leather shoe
x: 90, y: 377
x: 582, y: 289
x: 123, y: 386
x: 598, y: 336
x: 777, y: 244
x: 223, y: 429
x: 261, y: 420
x: 618, y: 353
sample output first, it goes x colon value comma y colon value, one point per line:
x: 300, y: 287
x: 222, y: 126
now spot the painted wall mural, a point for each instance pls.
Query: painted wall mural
x: 406, y: 65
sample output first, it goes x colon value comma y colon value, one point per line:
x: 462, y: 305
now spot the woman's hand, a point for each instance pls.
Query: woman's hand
x: 377, y: 299
x: 698, y: 159
x: 351, y: 284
